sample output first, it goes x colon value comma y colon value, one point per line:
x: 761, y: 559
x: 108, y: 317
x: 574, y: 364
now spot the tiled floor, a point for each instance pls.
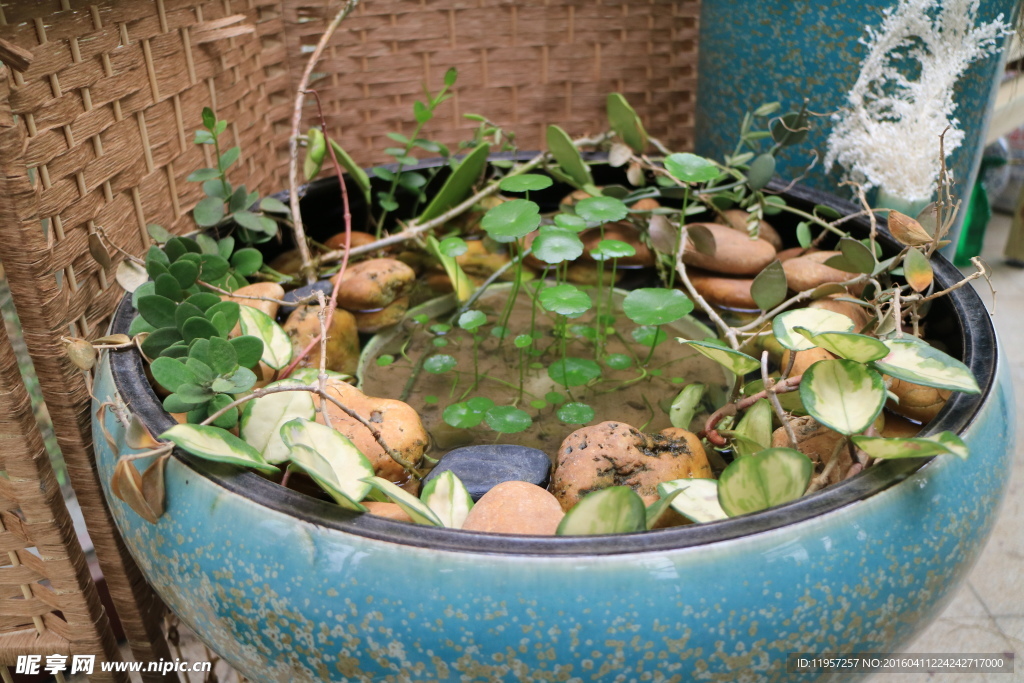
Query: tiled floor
x: 987, y: 615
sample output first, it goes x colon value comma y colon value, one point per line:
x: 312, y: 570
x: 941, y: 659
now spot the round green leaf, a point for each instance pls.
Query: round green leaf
x: 171, y: 373
x: 460, y: 415
x: 656, y: 306
x: 565, y: 299
x: 208, y: 212
x: 649, y: 335
x: 246, y: 261
x: 508, y: 419
x: 601, y: 209
x: 739, y: 363
x: 606, y: 250
x: 453, y: 246
x: 572, y: 372
x: 575, y: 413
x: 522, y: 341
x: 570, y: 221
x: 439, y: 364
x: 525, y: 183
x: 555, y: 245
x: 471, y: 320
x: 618, y: 361
x: 385, y: 360
x: 511, y: 220
x: 614, y: 510
x: 480, y: 404
x: 691, y: 168
x: 814, y: 320
x: 772, y: 477
x: 842, y: 394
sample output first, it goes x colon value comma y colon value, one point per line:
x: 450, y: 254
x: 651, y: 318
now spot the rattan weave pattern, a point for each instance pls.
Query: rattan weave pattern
x: 96, y: 135
x: 523, y: 64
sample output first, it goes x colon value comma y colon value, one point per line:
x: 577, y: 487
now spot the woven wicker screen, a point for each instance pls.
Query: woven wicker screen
x: 48, y: 601
x: 96, y: 142
x: 96, y: 136
x: 523, y: 64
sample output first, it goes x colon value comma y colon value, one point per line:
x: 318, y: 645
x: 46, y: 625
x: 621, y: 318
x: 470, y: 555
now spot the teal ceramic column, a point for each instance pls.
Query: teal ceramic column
x: 787, y: 50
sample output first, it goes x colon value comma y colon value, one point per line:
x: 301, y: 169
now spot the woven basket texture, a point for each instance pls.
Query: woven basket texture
x: 523, y: 65
x: 96, y: 143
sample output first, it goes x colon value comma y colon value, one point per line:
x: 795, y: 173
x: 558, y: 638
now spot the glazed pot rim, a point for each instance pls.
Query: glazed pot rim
x: 979, y: 355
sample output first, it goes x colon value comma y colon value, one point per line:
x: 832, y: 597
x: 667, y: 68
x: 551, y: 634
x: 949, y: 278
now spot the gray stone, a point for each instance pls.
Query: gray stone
x: 325, y: 286
x: 481, y: 468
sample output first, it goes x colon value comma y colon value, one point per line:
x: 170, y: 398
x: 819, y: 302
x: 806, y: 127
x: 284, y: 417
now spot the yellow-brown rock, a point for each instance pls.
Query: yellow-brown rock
x: 917, y: 402
x: 399, y: 426
x: 613, y: 454
x: 858, y: 314
x: 389, y: 510
x: 818, y: 443
x: 809, y: 271
x: 645, y: 204
x: 805, y: 359
x: 369, y: 285
x: 359, y: 239
x: 737, y: 219
x: 269, y: 290
x: 899, y: 427
x: 478, y: 262
x: 370, y: 322
x: 735, y: 253
x: 303, y: 326
x: 586, y: 274
x: 515, y: 507
x: 288, y: 262
x: 719, y: 290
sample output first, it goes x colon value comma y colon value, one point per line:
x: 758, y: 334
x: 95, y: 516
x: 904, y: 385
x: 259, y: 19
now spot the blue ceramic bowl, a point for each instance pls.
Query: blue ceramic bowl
x: 289, y: 588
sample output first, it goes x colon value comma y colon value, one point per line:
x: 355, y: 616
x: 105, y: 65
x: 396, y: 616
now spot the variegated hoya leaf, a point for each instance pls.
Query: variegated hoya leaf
x: 660, y: 509
x: 918, y: 270
x: 858, y: 347
x: 697, y: 499
x: 277, y: 347
x: 614, y: 510
x: 413, y: 506
x: 305, y: 459
x: 685, y: 405
x: 889, y: 449
x: 916, y: 361
x: 262, y: 419
x: 447, y: 496
x: 772, y: 477
x: 347, y: 465
x: 755, y: 428
x: 218, y: 445
x: 814, y: 320
x: 842, y: 394
x: 739, y: 363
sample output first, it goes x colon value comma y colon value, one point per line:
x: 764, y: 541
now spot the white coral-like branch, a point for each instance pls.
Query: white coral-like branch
x: 888, y: 136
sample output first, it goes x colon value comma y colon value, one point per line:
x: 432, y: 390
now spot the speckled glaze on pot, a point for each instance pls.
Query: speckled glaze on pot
x: 789, y: 50
x: 287, y: 588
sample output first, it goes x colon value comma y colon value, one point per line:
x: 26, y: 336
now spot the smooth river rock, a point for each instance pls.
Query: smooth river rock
x: 374, y: 284
x: 515, y: 507
x: 483, y: 467
x: 735, y: 253
x: 300, y: 293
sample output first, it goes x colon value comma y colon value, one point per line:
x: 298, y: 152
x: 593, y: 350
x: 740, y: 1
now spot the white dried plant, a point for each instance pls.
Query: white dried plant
x: 888, y: 135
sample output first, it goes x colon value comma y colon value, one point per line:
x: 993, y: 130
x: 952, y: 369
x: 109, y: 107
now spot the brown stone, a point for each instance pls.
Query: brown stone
x: 737, y: 219
x: 586, y: 274
x: 719, y: 290
x: 805, y: 359
x: 389, y: 510
x: 735, y: 253
x: 399, y: 426
x: 359, y: 239
x: 899, y: 427
x: 645, y: 204
x: 370, y: 322
x: 613, y: 454
x: 515, y: 507
x: 917, y: 402
x: 288, y: 262
x: 792, y: 252
x: 303, y: 326
x: 858, y: 314
x: 809, y: 271
x: 818, y: 443
x: 373, y: 284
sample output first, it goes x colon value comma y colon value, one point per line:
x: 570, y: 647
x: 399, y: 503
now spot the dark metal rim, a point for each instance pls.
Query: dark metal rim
x: 979, y: 354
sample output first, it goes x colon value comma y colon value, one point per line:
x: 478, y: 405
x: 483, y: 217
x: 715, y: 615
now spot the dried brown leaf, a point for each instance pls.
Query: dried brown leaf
x: 907, y: 231
x: 81, y: 353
